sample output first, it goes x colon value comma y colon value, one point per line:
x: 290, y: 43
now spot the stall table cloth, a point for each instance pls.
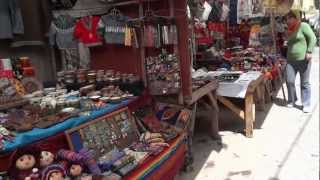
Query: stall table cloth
x: 36, y: 134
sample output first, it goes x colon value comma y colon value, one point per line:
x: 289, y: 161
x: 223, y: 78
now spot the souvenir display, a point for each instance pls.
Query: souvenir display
x: 102, y: 135
x: 163, y: 73
x: 229, y: 77
x: 92, y: 77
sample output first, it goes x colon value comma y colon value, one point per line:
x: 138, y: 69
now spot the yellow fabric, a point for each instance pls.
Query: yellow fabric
x: 128, y: 35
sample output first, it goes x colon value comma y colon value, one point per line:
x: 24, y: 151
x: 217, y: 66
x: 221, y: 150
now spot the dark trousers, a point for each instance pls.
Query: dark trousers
x: 303, y: 67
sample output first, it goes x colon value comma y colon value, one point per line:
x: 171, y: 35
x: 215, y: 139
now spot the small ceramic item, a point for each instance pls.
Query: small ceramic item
x: 49, y: 90
x: 92, y: 77
x: 95, y: 98
x: 105, y: 99
x: 115, y: 99
x: 68, y: 110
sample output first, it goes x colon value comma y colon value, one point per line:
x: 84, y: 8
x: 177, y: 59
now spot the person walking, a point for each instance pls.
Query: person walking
x: 301, y: 42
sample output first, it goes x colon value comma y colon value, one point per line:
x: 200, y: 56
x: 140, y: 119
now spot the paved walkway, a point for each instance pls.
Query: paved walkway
x: 285, y: 145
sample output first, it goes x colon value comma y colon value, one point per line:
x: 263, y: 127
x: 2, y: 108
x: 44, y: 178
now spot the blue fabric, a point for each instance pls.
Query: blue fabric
x: 36, y: 134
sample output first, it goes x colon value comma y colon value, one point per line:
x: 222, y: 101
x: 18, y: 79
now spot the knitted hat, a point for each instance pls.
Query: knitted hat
x: 51, y: 169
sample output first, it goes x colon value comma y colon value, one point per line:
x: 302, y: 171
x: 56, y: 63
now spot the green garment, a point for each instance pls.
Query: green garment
x: 301, y: 41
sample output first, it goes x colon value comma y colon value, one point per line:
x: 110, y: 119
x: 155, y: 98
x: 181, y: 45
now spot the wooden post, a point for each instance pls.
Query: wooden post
x: 249, y: 115
x: 142, y: 48
x: 215, y: 115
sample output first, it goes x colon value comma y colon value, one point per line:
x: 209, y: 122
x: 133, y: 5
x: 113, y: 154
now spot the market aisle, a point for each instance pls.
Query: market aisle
x: 284, y: 147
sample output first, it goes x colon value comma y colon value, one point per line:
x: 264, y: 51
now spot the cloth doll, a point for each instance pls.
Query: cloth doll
x: 46, y: 159
x: 25, y: 163
x: 54, y: 172
x: 84, y: 157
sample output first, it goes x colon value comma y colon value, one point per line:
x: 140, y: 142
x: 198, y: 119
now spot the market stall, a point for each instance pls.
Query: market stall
x: 108, y: 54
x: 242, y: 51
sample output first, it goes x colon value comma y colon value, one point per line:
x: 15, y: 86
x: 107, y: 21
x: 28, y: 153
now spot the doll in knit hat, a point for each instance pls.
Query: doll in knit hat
x: 54, y: 172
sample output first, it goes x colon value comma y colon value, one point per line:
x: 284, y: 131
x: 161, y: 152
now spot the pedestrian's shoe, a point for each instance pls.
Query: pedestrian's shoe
x: 306, y: 109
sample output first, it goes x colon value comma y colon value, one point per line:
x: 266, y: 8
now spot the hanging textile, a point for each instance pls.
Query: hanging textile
x: 84, y: 54
x: 61, y: 32
x: 128, y: 36
x: 114, y: 28
x: 173, y: 34
x: 70, y: 59
x: 86, y: 31
x: 233, y: 17
x: 216, y: 12
x: 36, y: 16
x: 244, y: 9
x: 11, y: 19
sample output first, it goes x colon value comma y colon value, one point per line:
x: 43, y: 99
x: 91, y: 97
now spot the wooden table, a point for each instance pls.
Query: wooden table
x: 255, y: 95
x: 205, y: 95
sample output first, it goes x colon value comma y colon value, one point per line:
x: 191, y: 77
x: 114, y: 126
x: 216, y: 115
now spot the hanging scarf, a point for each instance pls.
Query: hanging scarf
x: 293, y: 27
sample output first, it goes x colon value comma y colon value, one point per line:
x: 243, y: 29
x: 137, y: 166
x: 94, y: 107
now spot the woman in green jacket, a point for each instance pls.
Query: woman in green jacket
x: 301, y: 42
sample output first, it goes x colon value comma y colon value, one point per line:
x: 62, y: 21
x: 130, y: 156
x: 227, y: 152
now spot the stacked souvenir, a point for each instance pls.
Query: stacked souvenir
x: 84, y: 76
x: 11, y: 93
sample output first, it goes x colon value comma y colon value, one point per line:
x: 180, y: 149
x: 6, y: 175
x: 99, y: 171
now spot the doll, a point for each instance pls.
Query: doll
x: 53, y: 172
x: 25, y: 163
x: 84, y: 157
x: 76, y: 171
x: 46, y: 159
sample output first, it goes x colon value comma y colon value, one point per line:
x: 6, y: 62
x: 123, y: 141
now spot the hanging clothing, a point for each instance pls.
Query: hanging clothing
x: 70, y: 59
x: 216, y: 12
x: 233, y: 15
x: 244, y: 9
x: 113, y: 28
x: 63, y: 4
x: 10, y: 19
x: 84, y: 54
x: 173, y: 34
x: 86, y: 31
x: 149, y: 32
x: 61, y: 32
x: 224, y: 13
x: 36, y: 20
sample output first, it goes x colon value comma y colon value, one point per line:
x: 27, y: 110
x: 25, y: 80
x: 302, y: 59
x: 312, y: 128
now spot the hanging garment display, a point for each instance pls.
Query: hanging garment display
x: 70, y: 59
x: 10, y: 19
x: 254, y: 40
x: 63, y: 4
x: 258, y: 9
x: 84, y: 54
x: 128, y: 36
x: 173, y: 34
x: 36, y: 17
x: 233, y: 15
x: 149, y: 32
x: 86, y: 31
x: 202, y: 34
x: 207, y: 9
x: 61, y: 32
x: 114, y: 28
x: 244, y: 9
x: 216, y: 12
x: 225, y: 12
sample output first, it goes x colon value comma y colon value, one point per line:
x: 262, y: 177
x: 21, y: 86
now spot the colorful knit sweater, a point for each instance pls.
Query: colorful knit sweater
x: 300, y: 42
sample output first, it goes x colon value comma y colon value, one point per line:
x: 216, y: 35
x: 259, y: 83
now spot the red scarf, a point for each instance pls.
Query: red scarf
x: 293, y: 26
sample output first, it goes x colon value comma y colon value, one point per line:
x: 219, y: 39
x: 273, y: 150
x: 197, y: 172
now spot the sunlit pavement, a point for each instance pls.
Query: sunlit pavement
x: 284, y: 147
